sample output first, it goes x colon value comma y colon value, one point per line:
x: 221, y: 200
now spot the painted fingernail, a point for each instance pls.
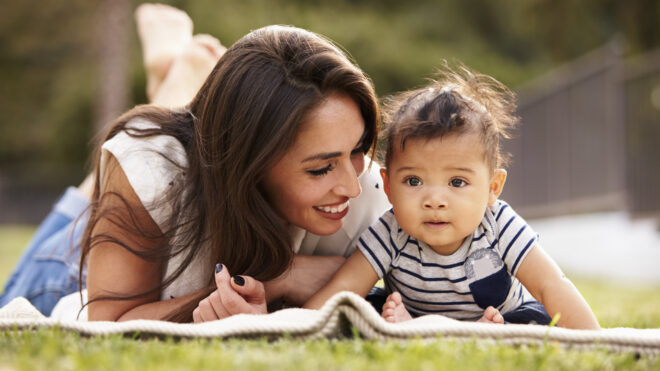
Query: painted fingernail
x: 239, y: 280
x: 218, y: 268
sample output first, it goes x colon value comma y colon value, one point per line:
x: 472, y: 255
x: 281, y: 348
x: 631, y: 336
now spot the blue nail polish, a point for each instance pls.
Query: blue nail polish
x: 239, y: 280
x: 218, y: 268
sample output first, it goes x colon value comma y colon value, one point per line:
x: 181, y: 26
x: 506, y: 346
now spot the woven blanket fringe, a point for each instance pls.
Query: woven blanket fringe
x: 337, y: 318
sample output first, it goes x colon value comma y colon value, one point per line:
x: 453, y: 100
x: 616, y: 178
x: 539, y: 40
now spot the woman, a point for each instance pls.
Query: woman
x: 257, y: 170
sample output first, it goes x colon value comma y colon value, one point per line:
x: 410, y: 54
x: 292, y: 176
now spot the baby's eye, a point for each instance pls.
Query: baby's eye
x: 413, y: 181
x: 457, y: 182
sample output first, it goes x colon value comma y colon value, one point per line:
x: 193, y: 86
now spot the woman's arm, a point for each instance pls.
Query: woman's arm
x: 307, y: 275
x: 355, y: 275
x: 546, y: 282
x: 112, y: 269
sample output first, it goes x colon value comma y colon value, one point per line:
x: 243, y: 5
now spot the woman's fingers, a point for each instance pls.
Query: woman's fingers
x: 218, y: 307
x: 206, y: 310
x: 197, y: 318
x: 234, y: 295
x: 252, y: 291
x: 210, y: 309
x: 231, y: 300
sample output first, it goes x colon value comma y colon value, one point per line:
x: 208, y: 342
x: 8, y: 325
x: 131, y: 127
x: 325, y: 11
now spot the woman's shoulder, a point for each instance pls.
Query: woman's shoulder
x: 132, y: 144
x: 152, y: 164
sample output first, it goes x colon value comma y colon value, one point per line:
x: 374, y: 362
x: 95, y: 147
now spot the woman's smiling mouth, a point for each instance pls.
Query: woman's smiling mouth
x: 334, y: 212
x: 333, y: 209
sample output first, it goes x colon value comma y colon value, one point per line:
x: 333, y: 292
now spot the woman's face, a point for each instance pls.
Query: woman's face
x: 311, y: 185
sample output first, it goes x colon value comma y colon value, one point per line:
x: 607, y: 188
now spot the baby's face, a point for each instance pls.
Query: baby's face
x: 440, y: 188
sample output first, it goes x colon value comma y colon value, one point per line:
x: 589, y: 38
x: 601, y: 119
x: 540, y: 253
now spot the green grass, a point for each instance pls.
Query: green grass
x: 13, y: 238
x: 57, y: 350
x: 614, y: 305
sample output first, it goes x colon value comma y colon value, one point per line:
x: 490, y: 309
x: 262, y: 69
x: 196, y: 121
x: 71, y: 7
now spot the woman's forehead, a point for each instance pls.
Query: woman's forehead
x: 337, y: 119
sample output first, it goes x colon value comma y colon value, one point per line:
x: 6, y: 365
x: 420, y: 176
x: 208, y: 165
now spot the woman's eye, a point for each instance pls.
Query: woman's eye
x: 321, y: 171
x: 413, y: 181
x: 458, y: 183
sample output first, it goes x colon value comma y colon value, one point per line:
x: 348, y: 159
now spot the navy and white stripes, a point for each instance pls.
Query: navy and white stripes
x: 434, y: 283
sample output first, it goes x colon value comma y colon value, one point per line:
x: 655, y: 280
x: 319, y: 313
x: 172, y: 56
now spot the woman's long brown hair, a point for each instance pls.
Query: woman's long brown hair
x: 244, y: 118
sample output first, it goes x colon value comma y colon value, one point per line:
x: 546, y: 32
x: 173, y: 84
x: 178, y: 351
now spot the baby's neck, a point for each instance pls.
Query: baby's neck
x: 448, y: 249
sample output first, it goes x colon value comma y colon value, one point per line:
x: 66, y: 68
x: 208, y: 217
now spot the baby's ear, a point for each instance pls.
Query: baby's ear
x: 386, y: 183
x: 496, y: 185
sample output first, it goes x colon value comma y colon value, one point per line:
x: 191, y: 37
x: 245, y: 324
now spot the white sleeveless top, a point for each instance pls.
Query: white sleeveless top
x: 151, y: 174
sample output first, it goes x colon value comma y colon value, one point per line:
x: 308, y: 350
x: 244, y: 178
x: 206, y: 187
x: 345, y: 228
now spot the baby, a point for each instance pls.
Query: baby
x: 448, y: 245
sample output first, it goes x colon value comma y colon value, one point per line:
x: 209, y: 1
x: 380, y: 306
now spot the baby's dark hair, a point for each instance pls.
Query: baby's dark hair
x: 457, y: 101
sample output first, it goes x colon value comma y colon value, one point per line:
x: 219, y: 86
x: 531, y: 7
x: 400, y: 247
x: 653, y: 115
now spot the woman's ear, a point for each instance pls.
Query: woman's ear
x: 386, y: 183
x: 496, y: 185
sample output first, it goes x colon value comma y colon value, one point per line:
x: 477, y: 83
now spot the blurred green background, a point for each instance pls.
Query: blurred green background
x: 50, y: 53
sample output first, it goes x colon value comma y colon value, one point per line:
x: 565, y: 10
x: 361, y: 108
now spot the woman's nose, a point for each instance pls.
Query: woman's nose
x: 348, y: 185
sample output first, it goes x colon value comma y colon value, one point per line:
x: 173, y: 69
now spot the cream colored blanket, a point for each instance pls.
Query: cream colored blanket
x: 336, y: 318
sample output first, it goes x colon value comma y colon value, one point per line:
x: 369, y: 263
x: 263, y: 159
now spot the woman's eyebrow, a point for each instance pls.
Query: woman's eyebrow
x: 329, y: 155
x: 322, y: 156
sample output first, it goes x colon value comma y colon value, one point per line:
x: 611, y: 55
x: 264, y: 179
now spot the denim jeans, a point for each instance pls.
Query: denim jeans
x: 49, y: 266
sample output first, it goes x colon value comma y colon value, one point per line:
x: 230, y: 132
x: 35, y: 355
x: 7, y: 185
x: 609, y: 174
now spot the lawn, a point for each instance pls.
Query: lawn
x: 614, y: 305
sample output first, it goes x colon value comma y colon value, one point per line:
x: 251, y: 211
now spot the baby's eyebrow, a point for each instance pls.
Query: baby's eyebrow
x: 464, y: 169
x: 461, y: 169
x: 405, y: 168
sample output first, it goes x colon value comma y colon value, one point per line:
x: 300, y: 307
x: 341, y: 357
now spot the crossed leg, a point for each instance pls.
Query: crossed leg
x: 176, y: 62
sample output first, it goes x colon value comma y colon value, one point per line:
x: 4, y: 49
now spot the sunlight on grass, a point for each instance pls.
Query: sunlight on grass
x: 617, y: 305
x: 13, y: 239
x: 57, y: 350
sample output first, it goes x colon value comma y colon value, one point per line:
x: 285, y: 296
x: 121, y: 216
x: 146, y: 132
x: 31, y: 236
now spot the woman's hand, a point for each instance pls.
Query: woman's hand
x: 307, y: 275
x: 234, y: 295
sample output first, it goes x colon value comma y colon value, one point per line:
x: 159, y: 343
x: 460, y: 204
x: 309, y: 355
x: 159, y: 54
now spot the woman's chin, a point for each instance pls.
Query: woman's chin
x: 327, y: 223
x: 325, y: 227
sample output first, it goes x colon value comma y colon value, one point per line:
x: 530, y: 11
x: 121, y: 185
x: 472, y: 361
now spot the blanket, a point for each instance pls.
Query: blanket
x: 341, y: 316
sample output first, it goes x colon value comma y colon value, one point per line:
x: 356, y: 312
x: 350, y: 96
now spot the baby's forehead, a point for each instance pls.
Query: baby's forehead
x: 471, y: 140
x: 467, y: 137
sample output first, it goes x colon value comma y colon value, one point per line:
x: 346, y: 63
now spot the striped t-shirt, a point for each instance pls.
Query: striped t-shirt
x: 461, y: 285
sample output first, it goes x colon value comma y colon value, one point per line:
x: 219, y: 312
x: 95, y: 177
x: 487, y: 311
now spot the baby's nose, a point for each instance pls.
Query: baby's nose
x: 435, y: 201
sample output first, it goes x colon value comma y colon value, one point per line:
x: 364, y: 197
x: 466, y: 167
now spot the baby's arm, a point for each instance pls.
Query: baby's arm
x: 546, y: 282
x: 355, y: 275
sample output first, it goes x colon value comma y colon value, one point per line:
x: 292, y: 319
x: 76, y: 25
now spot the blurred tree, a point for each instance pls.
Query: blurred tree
x: 113, y: 35
x: 51, y: 75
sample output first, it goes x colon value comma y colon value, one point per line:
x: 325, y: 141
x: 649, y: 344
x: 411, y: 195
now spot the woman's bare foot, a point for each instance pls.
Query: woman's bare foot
x: 164, y: 33
x: 394, y: 310
x: 188, y: 71
x: 492, y: 315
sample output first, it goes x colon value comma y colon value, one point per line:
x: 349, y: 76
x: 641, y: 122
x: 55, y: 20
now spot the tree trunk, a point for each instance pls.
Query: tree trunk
x: 113, y: 40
